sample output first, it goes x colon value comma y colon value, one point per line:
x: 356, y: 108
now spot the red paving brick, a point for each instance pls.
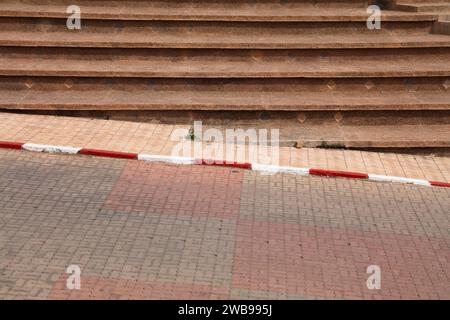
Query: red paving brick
x: 332, y: 263
x: 182, y: 190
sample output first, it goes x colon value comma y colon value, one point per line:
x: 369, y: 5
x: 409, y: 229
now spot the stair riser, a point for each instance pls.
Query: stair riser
x: 192, y: 4
x: 420, y: 1
x: 442, y: 27
x: 207, y: 11
x: 422, y: 9
x: 132, y: 34
x: 43, y: 93
x: 77, y: 62
x: 265, y: 119
x: 56, y: 84
x: 210, y: 29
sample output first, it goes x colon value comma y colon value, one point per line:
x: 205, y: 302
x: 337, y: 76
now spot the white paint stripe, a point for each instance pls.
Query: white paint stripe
x: 169, y: 159
x: 49, y: 148
x: 275, y: 169
x: 265, y: 168
x: 377, y: 177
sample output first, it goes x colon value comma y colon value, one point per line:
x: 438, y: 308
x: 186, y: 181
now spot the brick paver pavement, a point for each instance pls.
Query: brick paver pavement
x: 159, y: 231
x: 155, y: 139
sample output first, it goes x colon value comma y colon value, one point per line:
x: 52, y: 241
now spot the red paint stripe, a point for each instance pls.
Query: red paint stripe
x: 108, y: 154
x: 11, y: 145
x: 440, y: 184
x: 221, y: 163
x: 344, y: 174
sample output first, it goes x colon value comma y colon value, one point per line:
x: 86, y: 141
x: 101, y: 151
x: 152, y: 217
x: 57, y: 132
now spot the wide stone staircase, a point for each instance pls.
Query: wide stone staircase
x: 311, y: 68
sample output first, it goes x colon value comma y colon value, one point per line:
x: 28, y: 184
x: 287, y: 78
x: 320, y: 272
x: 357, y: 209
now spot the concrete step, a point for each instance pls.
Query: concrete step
x: 227, y: 35
x: 378, y: 136
x: 351, y: 129
x: 189, y: 63
x: 442, y: 27
x: 205, y: 10
x: 45, y: 93
x: 422, y: 6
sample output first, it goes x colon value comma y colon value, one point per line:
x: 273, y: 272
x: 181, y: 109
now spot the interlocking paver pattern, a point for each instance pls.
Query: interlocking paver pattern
x: 157, y: 231
x: 198, y: 191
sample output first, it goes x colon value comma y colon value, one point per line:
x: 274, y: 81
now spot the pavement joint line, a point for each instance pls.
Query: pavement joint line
x: 212, y: 162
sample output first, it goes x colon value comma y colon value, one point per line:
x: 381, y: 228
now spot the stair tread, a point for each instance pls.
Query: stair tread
x: 185, y: 39
x: 235, y: 12
x: 208, y: 63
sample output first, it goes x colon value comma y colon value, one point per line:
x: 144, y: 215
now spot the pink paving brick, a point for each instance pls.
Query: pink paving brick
x: 177, y: 190
x: 331, y: 263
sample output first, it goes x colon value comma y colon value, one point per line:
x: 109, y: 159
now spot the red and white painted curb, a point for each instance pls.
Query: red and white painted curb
x: 193, y: 161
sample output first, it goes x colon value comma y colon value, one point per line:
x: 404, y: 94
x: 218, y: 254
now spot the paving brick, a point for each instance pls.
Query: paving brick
x: 236, y: 234
x: 331, y: 263
x: 197, y: 191
x: 343, y: 203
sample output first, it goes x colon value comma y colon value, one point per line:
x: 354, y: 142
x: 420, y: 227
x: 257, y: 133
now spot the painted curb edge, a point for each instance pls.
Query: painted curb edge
x: 211, y: 162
